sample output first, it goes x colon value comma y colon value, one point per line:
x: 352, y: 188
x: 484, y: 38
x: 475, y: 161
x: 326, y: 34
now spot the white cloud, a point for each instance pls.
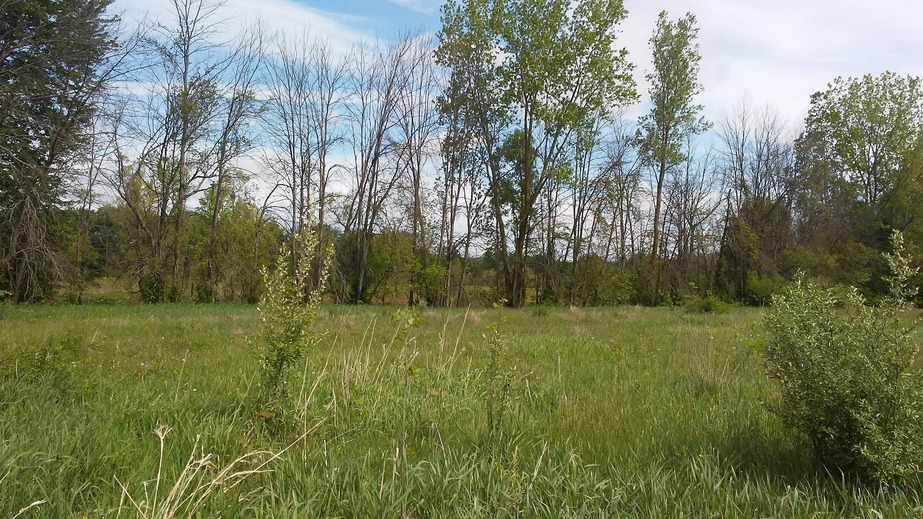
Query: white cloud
x: 278, y: 16
x: 779, y: 52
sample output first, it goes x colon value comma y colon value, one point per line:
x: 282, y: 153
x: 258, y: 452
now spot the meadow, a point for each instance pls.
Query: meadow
x: 152, y: 411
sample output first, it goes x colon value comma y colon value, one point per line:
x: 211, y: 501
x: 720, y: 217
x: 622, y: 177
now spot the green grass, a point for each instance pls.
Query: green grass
x: 626, y: 412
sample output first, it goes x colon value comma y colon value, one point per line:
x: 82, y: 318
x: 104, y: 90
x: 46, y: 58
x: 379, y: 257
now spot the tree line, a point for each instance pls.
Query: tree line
x: 492, y: 162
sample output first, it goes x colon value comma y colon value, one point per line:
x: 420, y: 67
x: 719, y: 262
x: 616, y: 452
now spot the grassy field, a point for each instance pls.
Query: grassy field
x: 148, y: 411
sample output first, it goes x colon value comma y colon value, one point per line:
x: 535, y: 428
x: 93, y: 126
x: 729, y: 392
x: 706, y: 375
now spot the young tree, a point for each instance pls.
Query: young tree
x: 673, y: 116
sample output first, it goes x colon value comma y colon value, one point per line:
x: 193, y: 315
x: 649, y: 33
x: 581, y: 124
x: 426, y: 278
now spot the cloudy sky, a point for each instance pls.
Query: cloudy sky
x: 773, y: 52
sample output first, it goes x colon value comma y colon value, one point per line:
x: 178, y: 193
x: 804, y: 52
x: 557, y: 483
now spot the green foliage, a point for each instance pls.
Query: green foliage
x: 902, y: 272
x: 428, y: 282
x: 674, y: 84
x: 847, y: 381
x: 533, y: 78
x: 870, y: 126
x: 233, y: 248
x: 707, y: 304
x: 152, y: 285
x: 762, y: 288
x: 53, y: 71
x: 858, y: 176
x: 597, y: 282
x: 288, y: 309
x: 4, y: 303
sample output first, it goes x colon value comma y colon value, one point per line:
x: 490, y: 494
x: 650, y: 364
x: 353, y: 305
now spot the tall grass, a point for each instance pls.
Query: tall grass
x: 623, y: 412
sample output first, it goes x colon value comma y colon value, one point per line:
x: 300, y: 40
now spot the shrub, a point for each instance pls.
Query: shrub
x: 846, y: 381
x: 288, y: 308
x: 708, y: 304
x: 760, y: 289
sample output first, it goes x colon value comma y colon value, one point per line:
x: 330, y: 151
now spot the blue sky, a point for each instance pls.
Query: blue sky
x: 384, y: 17
x: 772, y: 52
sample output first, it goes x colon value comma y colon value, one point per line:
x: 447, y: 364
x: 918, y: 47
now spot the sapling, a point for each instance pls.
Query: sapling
x: 288, y: 309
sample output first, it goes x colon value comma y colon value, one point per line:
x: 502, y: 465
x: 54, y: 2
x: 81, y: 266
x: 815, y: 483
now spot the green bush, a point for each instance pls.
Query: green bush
x: 288, y: 309
x: 846, y: 379
x: 760, y: 289
x: 708, y: 304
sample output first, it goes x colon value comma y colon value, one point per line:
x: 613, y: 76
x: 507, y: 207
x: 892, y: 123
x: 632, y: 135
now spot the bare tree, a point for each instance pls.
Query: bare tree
x: 760, y: 177
x: 329, y: 82
x: 287, y: 123
x: 378, y: 80
x: 416, y: 130
x: 693, y: 201
x: 238, y: 106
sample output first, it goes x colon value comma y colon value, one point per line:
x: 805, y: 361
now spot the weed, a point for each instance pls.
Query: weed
x: 498, y: 379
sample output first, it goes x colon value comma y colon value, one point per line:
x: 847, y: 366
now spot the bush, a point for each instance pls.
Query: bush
x: 846, y: 381
x: 708, y: 304
x: 760, y: 289
x: 288, y: 308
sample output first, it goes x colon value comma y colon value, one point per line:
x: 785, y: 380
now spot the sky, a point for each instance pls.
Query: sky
x: 773, y: 53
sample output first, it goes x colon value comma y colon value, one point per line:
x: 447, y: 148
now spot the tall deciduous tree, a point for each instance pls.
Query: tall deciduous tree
x: 533, y: 73
x: 869, y: 127
x: 379, y: 79
x: 674, y: 116
x: 185, y: 121
x: 306, y: 85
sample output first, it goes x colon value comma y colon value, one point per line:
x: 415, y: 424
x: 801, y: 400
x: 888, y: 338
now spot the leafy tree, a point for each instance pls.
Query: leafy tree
x: 673, y: 116
x: 858, y: 160
x: 868, y: 126
x: 540, y: 69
